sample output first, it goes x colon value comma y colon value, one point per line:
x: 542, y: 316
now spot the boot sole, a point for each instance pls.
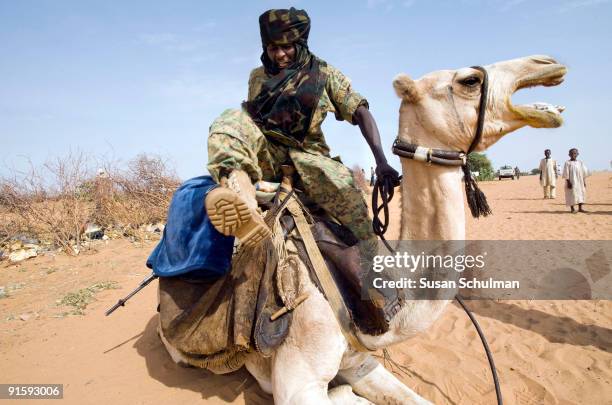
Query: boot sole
x: 231, y: 216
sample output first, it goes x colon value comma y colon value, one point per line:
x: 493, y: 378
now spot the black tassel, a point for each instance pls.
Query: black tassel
x: 476, y: 199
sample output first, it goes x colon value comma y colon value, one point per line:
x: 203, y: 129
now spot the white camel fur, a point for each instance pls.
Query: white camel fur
x: 437, y: 111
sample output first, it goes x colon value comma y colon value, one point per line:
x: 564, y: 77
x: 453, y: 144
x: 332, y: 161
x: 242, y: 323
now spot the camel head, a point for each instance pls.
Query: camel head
x: 440, y: 109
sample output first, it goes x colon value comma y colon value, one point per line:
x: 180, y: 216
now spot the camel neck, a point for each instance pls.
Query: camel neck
x: 432, y: 202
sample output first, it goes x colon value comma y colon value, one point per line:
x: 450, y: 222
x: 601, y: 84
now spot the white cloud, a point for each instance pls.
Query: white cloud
x: 193, y: 92
x: 385, y: 5
x: 207, y: 26
x: 511, y: 3
x: 388, y: 5
x: 26, y: 116
x: 572, y: 5
x: 375, y: 3
x: 565, y: 5
x: 169, y: 42
x: 157, y: 39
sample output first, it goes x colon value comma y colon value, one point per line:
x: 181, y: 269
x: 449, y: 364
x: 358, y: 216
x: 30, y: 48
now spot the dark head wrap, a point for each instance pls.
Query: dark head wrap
x: 282, y: 27
x: 290, y: 96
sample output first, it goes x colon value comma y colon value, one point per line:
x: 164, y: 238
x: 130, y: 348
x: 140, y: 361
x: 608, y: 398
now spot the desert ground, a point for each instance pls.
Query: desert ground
x: 547, y: 352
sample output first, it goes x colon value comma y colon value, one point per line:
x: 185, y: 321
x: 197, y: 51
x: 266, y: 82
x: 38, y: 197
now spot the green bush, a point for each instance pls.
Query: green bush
x: 481, y: 164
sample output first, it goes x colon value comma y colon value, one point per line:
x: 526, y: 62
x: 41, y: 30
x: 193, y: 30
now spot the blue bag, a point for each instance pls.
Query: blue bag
x: 190, y: 243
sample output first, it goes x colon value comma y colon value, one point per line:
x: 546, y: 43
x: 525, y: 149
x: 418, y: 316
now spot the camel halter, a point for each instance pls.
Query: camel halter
x: 475, y: 197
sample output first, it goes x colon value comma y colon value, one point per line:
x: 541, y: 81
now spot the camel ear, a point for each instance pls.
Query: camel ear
x: 406, y: 89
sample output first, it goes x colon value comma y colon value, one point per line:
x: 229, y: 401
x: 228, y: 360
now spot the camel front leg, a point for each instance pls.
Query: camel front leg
x: 377, y: 384
x: 301, y: 375
x: 308, y: 360
x: 260, y: 367
x: 344, y: 395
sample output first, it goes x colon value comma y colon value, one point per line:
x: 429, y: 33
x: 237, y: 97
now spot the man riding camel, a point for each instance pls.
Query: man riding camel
x: 289, y: 97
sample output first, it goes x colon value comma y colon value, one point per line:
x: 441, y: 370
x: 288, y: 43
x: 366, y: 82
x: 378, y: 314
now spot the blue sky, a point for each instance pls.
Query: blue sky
x: 114, y: 79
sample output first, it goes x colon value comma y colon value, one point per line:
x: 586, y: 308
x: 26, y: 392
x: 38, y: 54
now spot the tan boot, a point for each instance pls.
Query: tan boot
x: 233, y: 210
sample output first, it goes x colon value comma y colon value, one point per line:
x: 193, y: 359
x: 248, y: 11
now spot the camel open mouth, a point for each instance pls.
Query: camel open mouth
x: 541, y: 114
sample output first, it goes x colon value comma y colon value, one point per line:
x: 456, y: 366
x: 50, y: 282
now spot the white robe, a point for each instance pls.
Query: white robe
x: 548, y: 168
x: 575, y: 171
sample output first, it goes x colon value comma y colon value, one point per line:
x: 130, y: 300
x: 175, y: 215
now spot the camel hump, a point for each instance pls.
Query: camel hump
x: 405, y: 88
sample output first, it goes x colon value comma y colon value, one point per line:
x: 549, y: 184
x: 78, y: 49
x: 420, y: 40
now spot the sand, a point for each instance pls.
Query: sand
x: 547, y: 352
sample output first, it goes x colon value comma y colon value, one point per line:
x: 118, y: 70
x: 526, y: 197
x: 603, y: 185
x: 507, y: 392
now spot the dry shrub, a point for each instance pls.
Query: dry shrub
x: 136, y: 196
x: 10, y: 224
x: 360, y: 179
x: 46, y: 203
x: 56, y: 202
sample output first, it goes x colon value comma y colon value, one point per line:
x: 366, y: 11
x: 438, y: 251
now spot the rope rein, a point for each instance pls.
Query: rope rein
x: 385, y: 188
x: 476, y: 199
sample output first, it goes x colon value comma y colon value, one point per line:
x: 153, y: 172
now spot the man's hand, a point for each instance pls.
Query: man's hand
x: 569, y: 184
x: 384, y: 170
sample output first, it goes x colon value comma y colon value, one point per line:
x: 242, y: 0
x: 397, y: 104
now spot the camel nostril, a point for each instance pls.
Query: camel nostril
x: 544, y: 60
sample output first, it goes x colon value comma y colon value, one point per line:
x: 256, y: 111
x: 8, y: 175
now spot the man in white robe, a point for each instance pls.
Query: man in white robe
x: 548, y: 175
x: 575, y: 173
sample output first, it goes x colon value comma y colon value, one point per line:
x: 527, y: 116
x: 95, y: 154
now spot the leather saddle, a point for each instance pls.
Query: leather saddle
x: 370, y: 312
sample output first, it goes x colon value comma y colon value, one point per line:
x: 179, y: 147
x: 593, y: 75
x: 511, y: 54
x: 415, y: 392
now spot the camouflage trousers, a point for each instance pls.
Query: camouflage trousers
x: 236, y: 142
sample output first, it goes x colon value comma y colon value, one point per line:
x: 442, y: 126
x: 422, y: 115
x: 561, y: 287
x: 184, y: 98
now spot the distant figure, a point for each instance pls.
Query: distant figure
x: 548, y: 175
x: 575, y: 173
x: 101, y: 173
x: 372, y: 176
x: 103, y: 196
x: 517, y: 172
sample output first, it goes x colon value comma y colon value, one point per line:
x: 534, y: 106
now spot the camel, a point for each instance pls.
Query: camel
x: 440, y: 110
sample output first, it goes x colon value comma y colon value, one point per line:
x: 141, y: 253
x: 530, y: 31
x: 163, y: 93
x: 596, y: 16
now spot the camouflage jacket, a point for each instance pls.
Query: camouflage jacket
x: 338, y: 97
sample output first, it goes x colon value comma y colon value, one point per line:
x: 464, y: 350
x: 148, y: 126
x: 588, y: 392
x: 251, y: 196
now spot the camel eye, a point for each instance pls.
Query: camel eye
x: 470, y: 81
